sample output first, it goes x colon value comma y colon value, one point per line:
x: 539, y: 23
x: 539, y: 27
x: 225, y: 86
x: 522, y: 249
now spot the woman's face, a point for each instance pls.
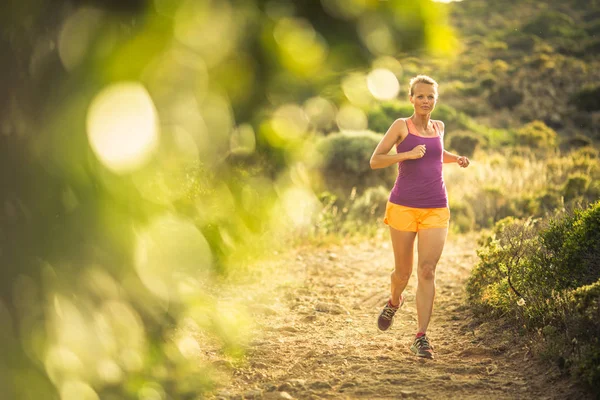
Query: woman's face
x: 423, y: 98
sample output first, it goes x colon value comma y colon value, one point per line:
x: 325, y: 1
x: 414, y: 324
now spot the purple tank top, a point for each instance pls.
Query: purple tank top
x: 420, y: 183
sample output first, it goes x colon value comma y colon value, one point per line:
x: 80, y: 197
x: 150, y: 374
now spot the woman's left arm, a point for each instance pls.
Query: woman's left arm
x: 451, y: 157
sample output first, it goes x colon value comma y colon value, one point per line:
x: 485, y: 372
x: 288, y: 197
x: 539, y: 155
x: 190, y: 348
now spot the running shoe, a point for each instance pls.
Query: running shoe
x: 421, y: 347
x: 386, y: 318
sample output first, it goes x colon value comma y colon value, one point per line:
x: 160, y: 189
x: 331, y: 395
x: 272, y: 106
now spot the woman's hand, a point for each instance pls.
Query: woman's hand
x: 417, y: 152
x: 463, y: 162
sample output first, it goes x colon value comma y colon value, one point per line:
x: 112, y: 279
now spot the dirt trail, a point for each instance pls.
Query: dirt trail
x: 317, y: 338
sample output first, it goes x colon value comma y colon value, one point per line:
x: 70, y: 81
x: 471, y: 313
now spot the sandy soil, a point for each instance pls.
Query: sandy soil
x: 316, y: 336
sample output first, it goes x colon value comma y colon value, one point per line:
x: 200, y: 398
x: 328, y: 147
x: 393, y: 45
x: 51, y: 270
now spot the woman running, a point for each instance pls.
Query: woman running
x: 418, y: 204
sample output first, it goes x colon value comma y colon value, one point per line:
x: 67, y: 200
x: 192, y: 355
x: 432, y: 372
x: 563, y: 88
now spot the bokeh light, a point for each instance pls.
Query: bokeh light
x: 383, y: 84
x: 77, y: 390
x: 302, y: 49
x: 76, y: 35
x: 351, y: 118
x: 345, y: 9
x: 376, y: 35
x: 207, y: 27
x: 243, y: 140
x: 289, y: 122
x: 122, y: 126
x: 171, y: 254
x: 321, y: 113
x: 389, y: 63
x: 299, y: 205
x: 356, y: 90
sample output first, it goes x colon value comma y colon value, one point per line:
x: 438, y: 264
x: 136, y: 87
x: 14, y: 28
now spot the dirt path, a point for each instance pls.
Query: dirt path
x: 317, y: 337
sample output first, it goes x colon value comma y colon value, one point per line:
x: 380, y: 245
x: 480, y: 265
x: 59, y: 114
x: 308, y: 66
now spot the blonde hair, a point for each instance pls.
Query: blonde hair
x: 421, y: 79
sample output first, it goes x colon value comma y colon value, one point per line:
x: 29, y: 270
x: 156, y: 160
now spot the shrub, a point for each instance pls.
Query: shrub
x: 384, y: 114
x: 578, y: 141
x: 370, y: 204
x: 576, y: 186
x: 505, y: 97
x: 587, y: 99
x: 464, y: 143
x: 572, y: 248
x: 463, y: 217
x: 345, y: 162
x: 550, y: 200
x: 537, y: 135
x: 544, y: 276
x: 552, y: 24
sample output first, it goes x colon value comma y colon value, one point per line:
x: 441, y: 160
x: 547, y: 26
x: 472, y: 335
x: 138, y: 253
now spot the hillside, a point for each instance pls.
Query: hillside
x: 542, y: 65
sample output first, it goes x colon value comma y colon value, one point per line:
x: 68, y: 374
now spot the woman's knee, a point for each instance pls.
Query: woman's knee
x: 401, y: 275
x: 427, y: 271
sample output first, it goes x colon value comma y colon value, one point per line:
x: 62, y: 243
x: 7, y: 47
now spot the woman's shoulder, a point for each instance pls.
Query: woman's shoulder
x: 401, y: 124
x: 440, y: 125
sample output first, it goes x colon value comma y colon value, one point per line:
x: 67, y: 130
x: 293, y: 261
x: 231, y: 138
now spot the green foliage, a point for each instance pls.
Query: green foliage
x: 345, y: 162
x: 545, y: 277
x: 588, y: 98
x: 462, y: 217
x: 124, y: 229
x: 351, y: 214
x: 551, y: 24
x: 576, y: 186
x: 382, y: 115
x: 571, y: 248
x: 579, y: 141
x: 370, y: 205
x: 537, y: 135
x: 505, y: 96
x: 464, y: 143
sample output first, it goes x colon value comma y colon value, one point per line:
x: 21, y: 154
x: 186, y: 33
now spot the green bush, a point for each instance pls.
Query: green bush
x: 576, y: 186
x: 518, y: 41
x: 572, y: 249
x: 587, y: 99
x: 544, y: 276
x: 345, y: 162
x: 369, y: 205
x: 351, y: 213
x: 505, y: 97
x: 463, y: 217
x: 550, y: 200
x: 553, y: 24
x: 384, y: 114
x: 578, y: 141
x: 537, y: 135
x: 464, y: 143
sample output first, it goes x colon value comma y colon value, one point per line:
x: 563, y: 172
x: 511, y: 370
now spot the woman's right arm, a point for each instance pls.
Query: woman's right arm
x: 396, y: 133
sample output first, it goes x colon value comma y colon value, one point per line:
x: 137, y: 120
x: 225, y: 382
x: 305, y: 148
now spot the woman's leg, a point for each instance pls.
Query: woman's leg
x: 430, y: 245
x: 403, y: 245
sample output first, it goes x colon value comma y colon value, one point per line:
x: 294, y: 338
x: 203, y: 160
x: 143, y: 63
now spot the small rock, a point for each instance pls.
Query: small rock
x: 286, y: 387
x: 408, y: 393
x: 288, y: 329
x: 253, y: 394
x: 331, y: 308
x: 223, y: 394
x: 309, y: 318
x: 320, y: 385
x: 278, y: 396
x: 332, y: 256
x: 259, y: 365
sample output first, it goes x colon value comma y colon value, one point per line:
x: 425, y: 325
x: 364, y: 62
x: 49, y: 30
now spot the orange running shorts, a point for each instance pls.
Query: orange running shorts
x: 411, y: 219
